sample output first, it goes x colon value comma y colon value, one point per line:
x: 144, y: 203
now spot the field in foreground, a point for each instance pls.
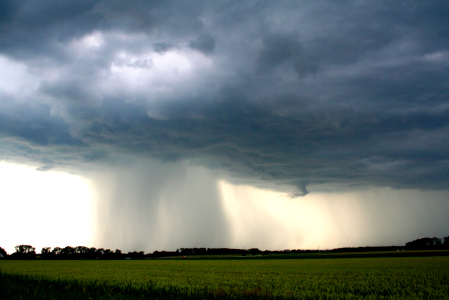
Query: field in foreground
x: 351, y: 278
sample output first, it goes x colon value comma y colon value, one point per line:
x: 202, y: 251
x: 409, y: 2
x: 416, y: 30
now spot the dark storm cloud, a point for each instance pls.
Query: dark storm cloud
x: 204, y: 43
x: 279, y: 49
x: 32, y: 123
x: 394, y: 150
x: 162, y: 47
x: 297, y: 93
x: 32, y: 28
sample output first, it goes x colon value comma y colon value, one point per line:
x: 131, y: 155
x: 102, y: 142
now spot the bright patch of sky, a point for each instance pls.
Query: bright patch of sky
x: 44, y: 209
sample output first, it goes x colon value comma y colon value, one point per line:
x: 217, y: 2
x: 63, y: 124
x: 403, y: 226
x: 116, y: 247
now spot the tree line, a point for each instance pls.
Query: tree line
x: 428, y: 243
x: 82, y: 252
x: 79, y: 252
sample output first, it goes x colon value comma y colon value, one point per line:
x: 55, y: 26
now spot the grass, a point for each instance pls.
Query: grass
x: 340, y: 278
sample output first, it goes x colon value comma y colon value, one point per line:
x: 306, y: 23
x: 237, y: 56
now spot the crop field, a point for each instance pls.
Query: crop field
x: 340, y: 278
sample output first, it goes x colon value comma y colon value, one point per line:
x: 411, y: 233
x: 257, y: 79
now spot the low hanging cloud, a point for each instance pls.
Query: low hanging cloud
x: 294, y: 94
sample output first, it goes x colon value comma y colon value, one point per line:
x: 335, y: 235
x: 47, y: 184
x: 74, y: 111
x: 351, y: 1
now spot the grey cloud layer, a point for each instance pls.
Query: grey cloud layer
x: 292, y: 93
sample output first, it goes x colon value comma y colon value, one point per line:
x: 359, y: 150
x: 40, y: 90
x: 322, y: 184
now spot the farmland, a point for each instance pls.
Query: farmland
x: 339, y: 278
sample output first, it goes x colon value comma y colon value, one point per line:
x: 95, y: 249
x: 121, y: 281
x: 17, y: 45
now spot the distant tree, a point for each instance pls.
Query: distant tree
x: 46, y: 253
x: 187, y: 251
x: 446, y: 241
x: 56, y: 251
x: 118, y: 254
x: 253, y: 251
x: 99, y: 253
x: 420, y: 243
x: 108, y: 254
x: 68, y: 252
x: 45, y: 250
x: 92, y: 253
x: 82, y: 249
x: 426, y: 243
x: 200, y: 250
x: 436, y: 241
x: 25, y: 249
x: 136, y: 255
x: 24, y: 252
x: 3, y: 252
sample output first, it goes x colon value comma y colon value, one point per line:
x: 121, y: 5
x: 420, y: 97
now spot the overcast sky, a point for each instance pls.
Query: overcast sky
x: 297, y: 97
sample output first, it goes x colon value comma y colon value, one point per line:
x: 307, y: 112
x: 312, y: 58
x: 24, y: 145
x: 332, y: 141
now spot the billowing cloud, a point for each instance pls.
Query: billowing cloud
x: 289, y: 94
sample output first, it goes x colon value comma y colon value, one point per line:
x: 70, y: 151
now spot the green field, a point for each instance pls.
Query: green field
x: 340, y: 278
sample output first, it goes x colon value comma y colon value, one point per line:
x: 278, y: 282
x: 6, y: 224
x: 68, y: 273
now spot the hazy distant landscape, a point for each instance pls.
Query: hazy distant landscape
x: 419, y: 269
x: 82, y: 252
